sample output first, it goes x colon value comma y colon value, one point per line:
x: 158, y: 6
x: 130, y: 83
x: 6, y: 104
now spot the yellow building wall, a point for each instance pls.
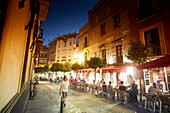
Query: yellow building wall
x: 12, y: 50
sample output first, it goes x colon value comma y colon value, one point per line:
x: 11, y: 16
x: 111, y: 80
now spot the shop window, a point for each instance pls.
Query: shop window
x: 117, y: 20
x: 148, y: 8
x: 119, y: 54
x: 152, y: 41
x: 104, y: 56
x: 102, y: 26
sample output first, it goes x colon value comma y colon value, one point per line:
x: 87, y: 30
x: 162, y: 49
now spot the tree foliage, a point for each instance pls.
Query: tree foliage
x: 67, y: 67
x: 57, y: 67
x: 39, y: 70
x: 46, y: 68
x: 76, y: 66
x: 95, y: 62
x: 137, y: 52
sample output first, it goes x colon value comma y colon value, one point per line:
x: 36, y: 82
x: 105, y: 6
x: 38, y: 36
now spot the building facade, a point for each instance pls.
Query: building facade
x: 42, y: 58
x: 19, y: 46
x: 66, y: 48
x: 149, y: 23
x: 52, y: 51
x: 107, y: 32
x: 106, y: 35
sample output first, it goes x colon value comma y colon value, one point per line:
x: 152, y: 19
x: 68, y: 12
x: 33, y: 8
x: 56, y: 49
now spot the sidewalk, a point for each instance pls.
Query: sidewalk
x: 41, y: 103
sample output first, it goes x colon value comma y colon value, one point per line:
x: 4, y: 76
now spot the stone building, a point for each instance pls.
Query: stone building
x: 107, y: 31
x: 66, y: 48
x: 19, y: 47
x: 52, y: 51
x: 106, y: 35
x: 149, y: 23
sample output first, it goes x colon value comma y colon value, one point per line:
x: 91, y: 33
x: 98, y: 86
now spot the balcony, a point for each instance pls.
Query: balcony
x: 44, y: 8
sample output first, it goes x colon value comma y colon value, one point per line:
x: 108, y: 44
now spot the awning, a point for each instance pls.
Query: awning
x: 160, y: 62
x: 114, y: 70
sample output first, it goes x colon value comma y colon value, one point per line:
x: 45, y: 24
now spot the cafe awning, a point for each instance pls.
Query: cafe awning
x: 160, y: 62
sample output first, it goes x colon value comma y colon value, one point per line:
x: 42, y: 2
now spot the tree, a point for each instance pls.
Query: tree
x: 39, y: 70
x: 76, y: 67
x: 67, y: 67
x: 57, y: 67
x: 137, y: 53
x: 94, y: 63
x: 46, y: 68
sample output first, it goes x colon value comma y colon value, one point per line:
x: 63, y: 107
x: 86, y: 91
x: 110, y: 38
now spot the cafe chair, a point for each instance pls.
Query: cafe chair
x: 151, y: 99
x: 104, y: 91
x: 165, y: 102
x: 121, y: 95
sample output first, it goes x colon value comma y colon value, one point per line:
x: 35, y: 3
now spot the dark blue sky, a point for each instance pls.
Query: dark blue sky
x: 66, y: 16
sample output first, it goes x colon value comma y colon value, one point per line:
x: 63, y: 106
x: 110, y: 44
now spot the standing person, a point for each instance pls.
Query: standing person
x: 65, y: 86
x: 133, y: 92
x: 122, y: 89
x: 71, y: 80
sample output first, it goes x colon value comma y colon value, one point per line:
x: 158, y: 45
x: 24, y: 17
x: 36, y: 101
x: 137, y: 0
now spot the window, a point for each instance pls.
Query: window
x: 102, y: 29
x: 58, y: 45
x: 152, y: 41
x: 64, y: 55
x: 64, y: 44
x: 58, y: 55
x: 148, y: 7
x: 85, y: 42
x: 117, y: 20
x: 119, y: 54
x: 104, y: 56
x: 70, y: 43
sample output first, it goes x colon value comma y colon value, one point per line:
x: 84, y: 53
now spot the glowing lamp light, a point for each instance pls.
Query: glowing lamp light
x: 129, y: 70
x: 110, y: 60
x: 80, y: 58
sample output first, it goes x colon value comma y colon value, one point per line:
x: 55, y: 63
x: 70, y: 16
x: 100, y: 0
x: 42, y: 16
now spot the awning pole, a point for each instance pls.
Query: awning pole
x: 167, y: 88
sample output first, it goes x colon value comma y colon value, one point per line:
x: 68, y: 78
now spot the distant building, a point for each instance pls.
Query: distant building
x: 66, y: 48
x: 42, y: 58
x: 52, y: 51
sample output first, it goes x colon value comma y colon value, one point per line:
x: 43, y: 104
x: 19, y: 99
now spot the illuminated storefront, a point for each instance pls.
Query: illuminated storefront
x: 157, y: 71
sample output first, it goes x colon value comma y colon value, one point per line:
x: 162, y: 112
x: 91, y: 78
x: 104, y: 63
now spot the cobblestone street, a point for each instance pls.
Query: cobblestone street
x: 48, y: 101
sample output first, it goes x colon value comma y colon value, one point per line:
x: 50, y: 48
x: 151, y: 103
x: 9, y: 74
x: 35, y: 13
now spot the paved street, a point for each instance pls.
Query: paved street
x: 48, y: 101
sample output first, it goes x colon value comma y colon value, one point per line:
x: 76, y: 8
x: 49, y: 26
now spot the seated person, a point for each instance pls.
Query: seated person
x: 153, y: 89
x: 110, y: 90
x: 104, y: 88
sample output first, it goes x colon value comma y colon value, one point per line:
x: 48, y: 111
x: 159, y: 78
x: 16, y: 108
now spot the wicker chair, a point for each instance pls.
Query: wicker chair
x: 104, y: 91
x: 150, y: 98
x: 165, y: 102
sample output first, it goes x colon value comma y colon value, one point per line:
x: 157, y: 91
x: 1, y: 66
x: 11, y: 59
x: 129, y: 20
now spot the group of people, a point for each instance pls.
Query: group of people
x: 101, y: 86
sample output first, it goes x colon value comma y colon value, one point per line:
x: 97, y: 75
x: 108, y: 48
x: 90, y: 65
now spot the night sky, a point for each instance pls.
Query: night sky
x: 66, y: 16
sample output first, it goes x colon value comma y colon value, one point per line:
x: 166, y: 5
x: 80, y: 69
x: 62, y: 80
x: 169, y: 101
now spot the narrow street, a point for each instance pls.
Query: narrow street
x: 48, y: 101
